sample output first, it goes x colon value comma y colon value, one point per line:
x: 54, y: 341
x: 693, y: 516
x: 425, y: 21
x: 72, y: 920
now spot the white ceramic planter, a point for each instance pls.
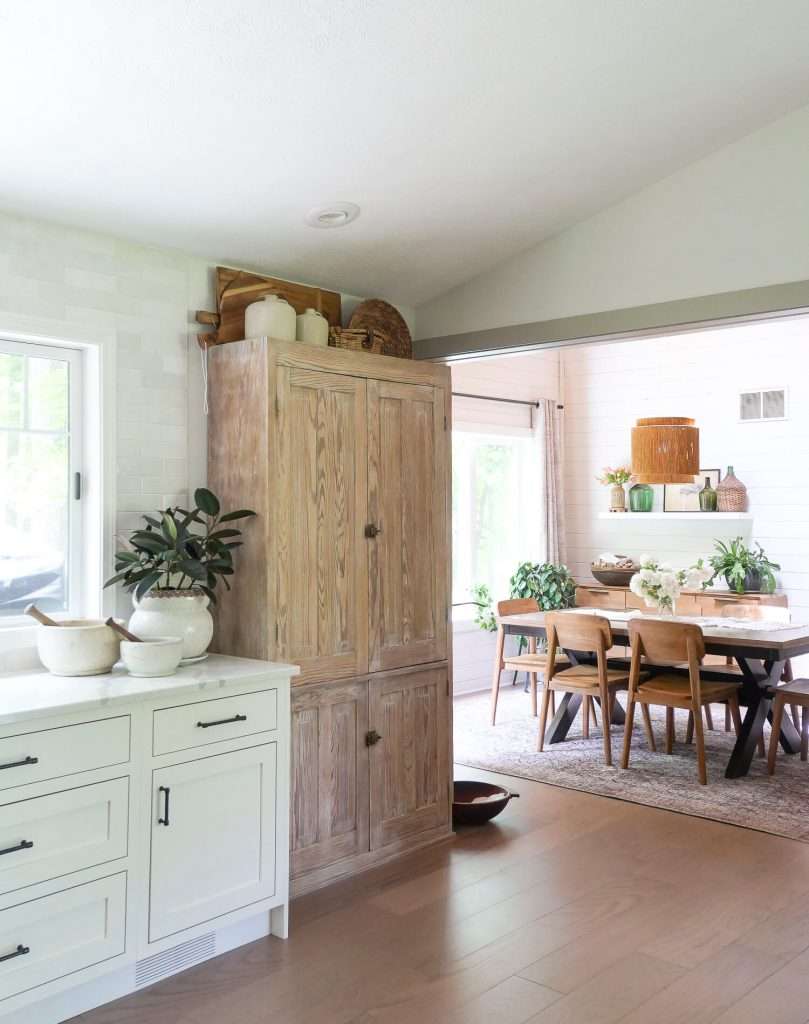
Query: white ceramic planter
x: 81, y: 647
x: 181, y: 613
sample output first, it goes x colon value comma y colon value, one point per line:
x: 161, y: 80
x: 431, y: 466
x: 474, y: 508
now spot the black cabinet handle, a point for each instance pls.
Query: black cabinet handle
x: 19, y: 764
x: 19, y: 951
x: 372, y: 738
x: 164, y: 820
x: 222, y: 721
x: 26, y: 844
x: 372, y: 530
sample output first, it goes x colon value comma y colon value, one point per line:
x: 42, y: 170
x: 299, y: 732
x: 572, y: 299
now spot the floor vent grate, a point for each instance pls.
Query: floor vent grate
x: 178, y: 958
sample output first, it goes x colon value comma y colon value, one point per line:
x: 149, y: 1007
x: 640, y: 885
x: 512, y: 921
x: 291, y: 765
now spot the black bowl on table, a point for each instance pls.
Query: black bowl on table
x: 475, y: 803
x: 613, y: 577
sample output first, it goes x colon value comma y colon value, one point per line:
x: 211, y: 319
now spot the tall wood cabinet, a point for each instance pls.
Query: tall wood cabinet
x: 346, y: 572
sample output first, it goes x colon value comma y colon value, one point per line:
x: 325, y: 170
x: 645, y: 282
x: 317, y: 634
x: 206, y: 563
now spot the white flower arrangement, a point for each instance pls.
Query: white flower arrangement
x: 659, y: 585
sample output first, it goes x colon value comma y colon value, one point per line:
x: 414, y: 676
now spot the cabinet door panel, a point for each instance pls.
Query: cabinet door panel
x: 322, y: 595
x: 217, y: 851
x: 407, y: 502
x: 410, y: 764
x: 329, y: 775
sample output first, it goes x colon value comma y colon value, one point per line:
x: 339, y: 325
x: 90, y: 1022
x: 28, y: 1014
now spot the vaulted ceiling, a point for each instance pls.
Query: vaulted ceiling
x: 466, y: 130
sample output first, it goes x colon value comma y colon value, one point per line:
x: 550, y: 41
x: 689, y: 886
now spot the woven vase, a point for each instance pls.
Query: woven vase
x: 731, y: 494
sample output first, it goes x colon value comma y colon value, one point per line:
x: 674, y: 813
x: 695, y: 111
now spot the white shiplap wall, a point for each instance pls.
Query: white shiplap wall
x: 608, y: 386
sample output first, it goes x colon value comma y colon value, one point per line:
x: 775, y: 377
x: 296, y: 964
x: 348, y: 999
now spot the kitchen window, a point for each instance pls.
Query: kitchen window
x: 40, y: 479
x: 496, y: 488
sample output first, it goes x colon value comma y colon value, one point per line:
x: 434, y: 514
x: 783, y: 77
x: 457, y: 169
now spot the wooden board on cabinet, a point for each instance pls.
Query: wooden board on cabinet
x: 329, y: 804
x: 236, y: 289
x: 320, y: 511
x: 410, y: 769
x: 407, y: 447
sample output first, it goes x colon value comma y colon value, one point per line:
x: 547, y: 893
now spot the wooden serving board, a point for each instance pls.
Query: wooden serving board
x: 236, y: 289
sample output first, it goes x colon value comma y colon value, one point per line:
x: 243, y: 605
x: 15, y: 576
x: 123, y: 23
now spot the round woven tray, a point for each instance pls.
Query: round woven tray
x: 385, y: 320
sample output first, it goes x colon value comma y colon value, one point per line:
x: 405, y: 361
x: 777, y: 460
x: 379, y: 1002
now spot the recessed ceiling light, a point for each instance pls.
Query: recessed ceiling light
x: 335, y: 215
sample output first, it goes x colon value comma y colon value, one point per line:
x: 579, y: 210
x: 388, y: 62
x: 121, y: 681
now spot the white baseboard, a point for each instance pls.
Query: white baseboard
x: 122, y: 982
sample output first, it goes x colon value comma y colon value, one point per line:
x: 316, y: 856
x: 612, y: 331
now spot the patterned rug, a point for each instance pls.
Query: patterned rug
x: 777, y: 804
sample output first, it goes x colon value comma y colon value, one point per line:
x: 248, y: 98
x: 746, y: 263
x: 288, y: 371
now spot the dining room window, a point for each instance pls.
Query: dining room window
x: 40, y: 481
x: 496, y: 489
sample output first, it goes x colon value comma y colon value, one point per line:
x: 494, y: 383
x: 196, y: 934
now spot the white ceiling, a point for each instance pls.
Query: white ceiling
x: 467, y: 130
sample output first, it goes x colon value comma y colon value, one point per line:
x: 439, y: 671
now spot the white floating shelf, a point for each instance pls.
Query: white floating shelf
x: 641, y: 516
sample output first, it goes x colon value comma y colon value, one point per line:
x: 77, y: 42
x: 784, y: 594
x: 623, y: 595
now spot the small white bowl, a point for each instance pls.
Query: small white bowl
x: 77, y: 647
x: 155, y: 656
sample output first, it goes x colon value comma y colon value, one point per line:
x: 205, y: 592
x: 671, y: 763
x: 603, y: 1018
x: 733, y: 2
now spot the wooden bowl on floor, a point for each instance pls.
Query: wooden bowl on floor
x: 475, y: 803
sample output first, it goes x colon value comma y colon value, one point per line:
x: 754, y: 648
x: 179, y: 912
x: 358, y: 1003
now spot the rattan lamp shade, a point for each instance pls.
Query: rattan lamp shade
x: 665, y: 450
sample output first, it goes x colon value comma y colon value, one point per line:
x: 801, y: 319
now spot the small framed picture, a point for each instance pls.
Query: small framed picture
x: 685, y: 497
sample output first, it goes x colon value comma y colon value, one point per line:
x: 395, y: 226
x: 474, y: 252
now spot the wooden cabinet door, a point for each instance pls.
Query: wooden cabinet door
x: 329, y: 774
x: 410, y: 769
x: 407, y: 490
x: 213, y: 838
x: 322, y: 561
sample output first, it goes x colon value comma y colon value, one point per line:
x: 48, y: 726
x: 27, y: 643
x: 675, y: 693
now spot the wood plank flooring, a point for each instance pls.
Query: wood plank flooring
x: 572, y: 909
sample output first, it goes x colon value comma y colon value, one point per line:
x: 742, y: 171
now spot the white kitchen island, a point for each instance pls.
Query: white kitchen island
x: 143, y: 828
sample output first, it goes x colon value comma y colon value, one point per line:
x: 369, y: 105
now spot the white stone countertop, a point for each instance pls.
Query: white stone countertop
x: 38, y: 694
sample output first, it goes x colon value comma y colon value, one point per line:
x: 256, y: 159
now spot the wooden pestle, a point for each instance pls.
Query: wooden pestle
x: 41, y: 617
x: 123, y: 632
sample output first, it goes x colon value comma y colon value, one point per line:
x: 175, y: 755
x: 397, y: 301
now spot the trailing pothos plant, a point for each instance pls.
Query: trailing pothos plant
x: 181, y: 549
x: 484, y: 616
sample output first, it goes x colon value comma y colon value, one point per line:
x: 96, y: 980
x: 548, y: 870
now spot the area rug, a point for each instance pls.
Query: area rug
x: 778, y: 804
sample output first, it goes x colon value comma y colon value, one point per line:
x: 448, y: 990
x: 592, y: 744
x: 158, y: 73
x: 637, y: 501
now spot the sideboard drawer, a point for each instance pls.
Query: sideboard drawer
x: 53, y: 835
x: 52, y: 753
x: 596, y: 597
x: 211, y: 721
x: 48, y: 938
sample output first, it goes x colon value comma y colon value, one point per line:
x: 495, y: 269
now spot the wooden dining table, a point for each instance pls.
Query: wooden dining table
x: 759, y: 652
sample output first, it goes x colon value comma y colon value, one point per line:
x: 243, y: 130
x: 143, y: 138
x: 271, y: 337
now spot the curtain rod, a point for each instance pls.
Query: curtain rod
x: 491, y: 398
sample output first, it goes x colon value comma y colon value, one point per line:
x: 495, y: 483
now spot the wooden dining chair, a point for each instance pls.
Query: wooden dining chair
x: 582, y: 633
x: 534, y: 662
x: 795, y: 693
x: 754, y: 611
x: 655, y: 641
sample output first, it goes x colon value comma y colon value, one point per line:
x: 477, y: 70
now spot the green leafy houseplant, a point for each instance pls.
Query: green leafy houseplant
x: 551, y: 585
x: 745, y: 570
x: 181, y: 549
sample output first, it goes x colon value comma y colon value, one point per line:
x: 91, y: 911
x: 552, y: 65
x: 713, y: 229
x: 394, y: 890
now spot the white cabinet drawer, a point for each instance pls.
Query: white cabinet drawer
x: 52, y: 753
x: 211, y: 721
x: 53, y: 835
x: 57, y: 935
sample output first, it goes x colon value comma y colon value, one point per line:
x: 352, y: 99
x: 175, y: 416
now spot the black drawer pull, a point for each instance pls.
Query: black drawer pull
x: 19, y: 951
x: 20, y: 764
x: 26, y: 844
x: 165, y: 820
x: 222, y: 721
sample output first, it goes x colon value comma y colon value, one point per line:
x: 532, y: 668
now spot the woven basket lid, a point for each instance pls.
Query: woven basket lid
x: 385, y: 320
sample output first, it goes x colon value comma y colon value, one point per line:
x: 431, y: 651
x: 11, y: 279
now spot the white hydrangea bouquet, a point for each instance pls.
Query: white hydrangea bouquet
x: 659, y: 585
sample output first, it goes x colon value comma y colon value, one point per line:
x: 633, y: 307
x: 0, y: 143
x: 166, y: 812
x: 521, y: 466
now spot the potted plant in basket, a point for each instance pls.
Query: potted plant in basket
x: 745, y: 570
x: 172, y: 567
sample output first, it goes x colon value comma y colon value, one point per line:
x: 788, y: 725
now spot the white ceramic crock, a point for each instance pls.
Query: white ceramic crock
x: 313, y: 328
x: 272, y: 317
x: 181, y: 613
x: 157, y: 656
x: 78, y: 647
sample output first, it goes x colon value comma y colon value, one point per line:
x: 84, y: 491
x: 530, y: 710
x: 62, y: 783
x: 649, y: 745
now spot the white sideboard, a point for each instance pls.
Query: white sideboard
x: 144, y: 828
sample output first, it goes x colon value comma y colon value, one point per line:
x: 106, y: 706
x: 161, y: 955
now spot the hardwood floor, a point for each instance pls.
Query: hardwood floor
x: 572, y: 909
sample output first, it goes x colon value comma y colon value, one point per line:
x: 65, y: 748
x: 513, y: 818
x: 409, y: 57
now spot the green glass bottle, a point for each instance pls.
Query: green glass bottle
x: 707, y: 497
x: 641, y: 498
